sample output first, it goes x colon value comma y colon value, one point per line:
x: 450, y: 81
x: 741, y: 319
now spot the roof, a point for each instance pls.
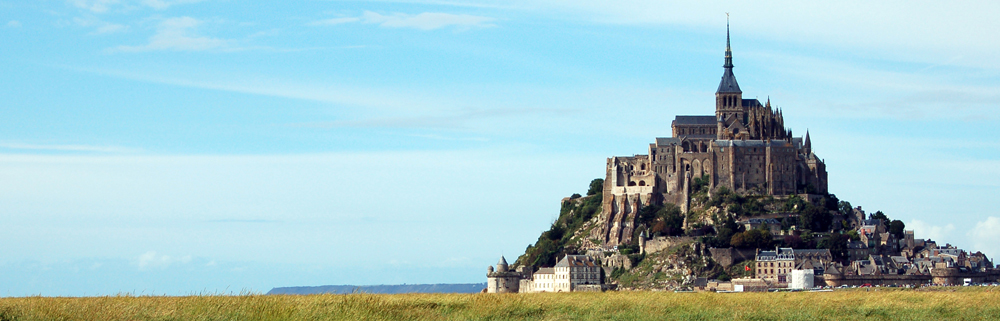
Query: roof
x: 502, y: 261
x: 752, y: 103
x: 576, y: 261
x: 695, y: 120
x: 728, y: 83
x: 761, y: 221
x: 783, y: 253
x: 546, y: 271
x: 872, y: 222
x: 742, y: 143
x: 664, y: 141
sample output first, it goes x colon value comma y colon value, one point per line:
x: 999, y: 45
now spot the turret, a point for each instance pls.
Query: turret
x: 502, y: 265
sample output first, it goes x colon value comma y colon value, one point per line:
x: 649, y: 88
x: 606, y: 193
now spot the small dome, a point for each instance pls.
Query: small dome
x: 489, y: 269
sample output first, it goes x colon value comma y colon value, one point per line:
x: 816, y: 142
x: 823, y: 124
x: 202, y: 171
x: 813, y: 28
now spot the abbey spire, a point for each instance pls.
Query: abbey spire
x: 728, y: 83
x: 729, y: 97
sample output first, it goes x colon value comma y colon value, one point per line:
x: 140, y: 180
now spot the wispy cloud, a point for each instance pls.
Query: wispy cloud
x: 179, y: 34
x: 428, y: 20
x: 334, y: 21
x: 95, y: 6
x: 434, y: 121
x: 68, y: 148
x: 164, y: 4
x: 103, y: 6
x: 422, y: 21
x: 100, y: 26
x: 152, y: 259
x: 243, y: 221
x: 14, y: 24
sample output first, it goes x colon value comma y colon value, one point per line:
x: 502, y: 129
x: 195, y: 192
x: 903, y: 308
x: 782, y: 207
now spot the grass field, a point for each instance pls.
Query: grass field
x: 925, y: 304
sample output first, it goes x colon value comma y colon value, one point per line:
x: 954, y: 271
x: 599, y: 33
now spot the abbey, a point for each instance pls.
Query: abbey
x: 744, y: 147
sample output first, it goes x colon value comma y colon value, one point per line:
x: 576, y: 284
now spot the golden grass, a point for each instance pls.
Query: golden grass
x: 939, y: 304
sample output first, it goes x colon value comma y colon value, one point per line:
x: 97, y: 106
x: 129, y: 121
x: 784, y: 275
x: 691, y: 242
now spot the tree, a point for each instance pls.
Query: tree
x: 815, y: 218
x: 751, y: 239
x: 845, y: 208
x: 879, y: 216
x: 647, y: 213
x: 596, y: 187
x: 837, y: 243
x: 793, y: 241
x: 896, y: 227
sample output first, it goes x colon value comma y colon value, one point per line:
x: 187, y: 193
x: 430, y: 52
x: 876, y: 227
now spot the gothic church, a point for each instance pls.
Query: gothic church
x: 744, y: 147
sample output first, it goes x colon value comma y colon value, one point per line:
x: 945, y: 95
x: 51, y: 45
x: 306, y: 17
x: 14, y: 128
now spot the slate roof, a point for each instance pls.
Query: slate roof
x: 728, y: 83
x: 664, y: 141
x: 695, y: 120
x: 576, y: 260
x: 752, y: 103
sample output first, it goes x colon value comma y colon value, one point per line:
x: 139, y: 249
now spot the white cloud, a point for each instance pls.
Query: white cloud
x: 102, y: 6
x: 422, y: 21
x: 68, y: 148
x: 931, y: 32
x: 100, y: 26
x: 427, y: 20
x: 178, y: 34
x: 95, y: 6
x: 163, y: 4
x: 14, y: 24
x: 985, y: 236
x: 334, y: 21
x: 924, y: 230
x: 153, y: 260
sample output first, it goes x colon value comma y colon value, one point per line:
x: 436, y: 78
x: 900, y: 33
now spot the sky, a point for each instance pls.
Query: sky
x: 174, y: 147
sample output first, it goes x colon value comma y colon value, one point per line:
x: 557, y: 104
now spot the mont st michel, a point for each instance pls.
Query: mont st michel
x: 729, y: 202
x: 498, y: 160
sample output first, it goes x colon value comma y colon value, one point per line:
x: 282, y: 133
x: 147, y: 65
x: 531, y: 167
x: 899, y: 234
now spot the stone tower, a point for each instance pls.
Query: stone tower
x: 502, y: 279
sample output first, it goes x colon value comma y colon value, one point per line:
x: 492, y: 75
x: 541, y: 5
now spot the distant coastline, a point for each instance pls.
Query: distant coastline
x: 381, y: 289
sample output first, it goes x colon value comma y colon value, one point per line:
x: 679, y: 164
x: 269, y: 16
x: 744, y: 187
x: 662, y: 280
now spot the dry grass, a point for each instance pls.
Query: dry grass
x: 939, y: 304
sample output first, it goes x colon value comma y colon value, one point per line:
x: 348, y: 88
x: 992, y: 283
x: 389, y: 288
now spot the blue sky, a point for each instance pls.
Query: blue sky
x: 177, y: 147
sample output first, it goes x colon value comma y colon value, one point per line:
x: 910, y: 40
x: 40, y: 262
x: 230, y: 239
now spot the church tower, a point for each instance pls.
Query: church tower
x: 729, y: 98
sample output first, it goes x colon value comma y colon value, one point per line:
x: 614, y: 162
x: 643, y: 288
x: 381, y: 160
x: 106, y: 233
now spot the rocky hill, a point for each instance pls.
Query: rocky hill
x: 705, y: 242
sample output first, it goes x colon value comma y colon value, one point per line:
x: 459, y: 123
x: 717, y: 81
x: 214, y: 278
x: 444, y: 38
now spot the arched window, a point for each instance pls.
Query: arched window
x: 642, y: 183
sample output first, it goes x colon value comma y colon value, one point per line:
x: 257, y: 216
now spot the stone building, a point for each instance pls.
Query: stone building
x: 744, y: 146
x: 501, y: 279
x: 776, y: 266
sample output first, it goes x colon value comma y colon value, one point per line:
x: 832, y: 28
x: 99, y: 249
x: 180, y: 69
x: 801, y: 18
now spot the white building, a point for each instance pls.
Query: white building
x: 802, y: 279
x: 572, y: 273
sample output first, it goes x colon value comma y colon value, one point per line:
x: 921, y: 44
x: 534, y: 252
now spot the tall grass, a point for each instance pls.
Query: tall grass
x: 940, y: 304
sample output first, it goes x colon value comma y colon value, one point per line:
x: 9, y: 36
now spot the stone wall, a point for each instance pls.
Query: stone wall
x: 859, y: 280
x: 661, y: 243
x: 729, y: 256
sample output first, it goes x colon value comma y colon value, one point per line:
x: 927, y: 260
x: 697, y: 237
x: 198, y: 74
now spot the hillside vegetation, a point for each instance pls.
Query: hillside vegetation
x: 934, y: 304
x: 710, y: 222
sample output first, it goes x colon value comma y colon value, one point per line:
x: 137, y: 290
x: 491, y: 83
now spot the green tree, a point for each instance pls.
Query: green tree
x: 896, y: 227
x: 879, y: 216
x: 596, y: 187
x: 837, y: 243
x: 845, y: 208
